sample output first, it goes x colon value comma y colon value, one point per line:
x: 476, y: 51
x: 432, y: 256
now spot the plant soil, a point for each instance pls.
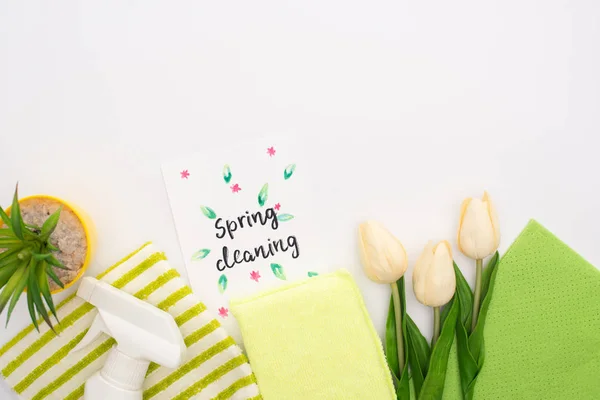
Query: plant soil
x: 69, y: 235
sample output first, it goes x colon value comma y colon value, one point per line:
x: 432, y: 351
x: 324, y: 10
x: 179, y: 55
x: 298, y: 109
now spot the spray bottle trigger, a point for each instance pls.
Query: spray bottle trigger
x: 96, y: 329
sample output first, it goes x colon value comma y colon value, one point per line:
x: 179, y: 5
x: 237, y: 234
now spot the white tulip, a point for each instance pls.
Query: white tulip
x: 383, y: 256
x: 434, y: 281
x: 478, y: 230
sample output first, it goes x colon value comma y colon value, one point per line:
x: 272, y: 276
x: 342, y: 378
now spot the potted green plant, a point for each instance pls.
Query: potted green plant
x: 45, y: 247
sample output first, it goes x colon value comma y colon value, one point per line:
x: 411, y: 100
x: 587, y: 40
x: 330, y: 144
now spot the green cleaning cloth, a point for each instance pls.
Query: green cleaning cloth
x: 542, y: 331
x: 313, y: 340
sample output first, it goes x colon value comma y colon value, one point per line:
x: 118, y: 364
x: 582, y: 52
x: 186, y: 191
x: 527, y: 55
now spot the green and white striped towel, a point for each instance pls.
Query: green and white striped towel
x: 40, y: 365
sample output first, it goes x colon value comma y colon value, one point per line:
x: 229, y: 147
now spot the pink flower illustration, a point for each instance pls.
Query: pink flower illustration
x: 271, y: 151
x: 184, y: 174
x: 223, y: 312
x: 277, y: 206
x: 255, y: 276
x: 235, y: 188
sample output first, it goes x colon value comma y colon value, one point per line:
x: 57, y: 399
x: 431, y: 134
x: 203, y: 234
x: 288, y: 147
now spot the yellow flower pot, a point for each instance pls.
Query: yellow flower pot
x: 88, y: 228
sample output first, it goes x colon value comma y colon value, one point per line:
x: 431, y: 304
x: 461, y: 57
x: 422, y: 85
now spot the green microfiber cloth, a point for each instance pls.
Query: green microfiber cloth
x: 313, y: 340
x: 542, y: 332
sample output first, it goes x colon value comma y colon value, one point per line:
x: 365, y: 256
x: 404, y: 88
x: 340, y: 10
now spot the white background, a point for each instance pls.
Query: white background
x: 405, y: 108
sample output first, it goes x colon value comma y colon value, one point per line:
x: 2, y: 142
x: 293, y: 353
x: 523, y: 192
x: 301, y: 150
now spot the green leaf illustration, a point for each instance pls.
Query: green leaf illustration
x: 311, y: 274
x: 200, y: 254
x: 208, y: 212
x: 278, y: 271
x: 289, y: 171
x: 263, y: 195
x: 226, y: 173
x: 222, y: 283
x: 285, y: 217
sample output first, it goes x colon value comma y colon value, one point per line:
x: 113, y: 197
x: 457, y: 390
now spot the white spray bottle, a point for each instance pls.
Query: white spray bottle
x: 143, y: 334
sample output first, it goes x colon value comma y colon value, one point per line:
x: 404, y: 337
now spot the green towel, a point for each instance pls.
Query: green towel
x: 542, y: 332
x: 313, y: 340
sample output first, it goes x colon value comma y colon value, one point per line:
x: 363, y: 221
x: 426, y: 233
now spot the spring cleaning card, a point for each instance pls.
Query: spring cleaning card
x: 243, y: 218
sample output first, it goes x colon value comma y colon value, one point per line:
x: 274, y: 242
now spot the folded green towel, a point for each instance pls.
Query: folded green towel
x: 313, y: 340
x: 542, y: 332
x: 41, y: 365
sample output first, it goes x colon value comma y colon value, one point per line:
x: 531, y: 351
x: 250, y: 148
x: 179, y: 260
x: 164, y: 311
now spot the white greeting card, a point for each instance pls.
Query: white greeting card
x: 243, y: 218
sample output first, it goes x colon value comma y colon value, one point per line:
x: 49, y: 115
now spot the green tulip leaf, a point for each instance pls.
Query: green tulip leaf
x: 222, y: 283
x: 285, y: 217
x: 476, y: 337
x: 487, y: 275
x: 278, y: 271
x: 208, y: 212
x: 227, y: 173
x: 433, y: 386
x: 311, y: 274
x: 470, y: 345
x: 466, y: 363
x: 418, y: 354
x: 289, y: 171
x: 263, y: 195
x: 465, y: 296
x: 401, y: 379
x: 200, y: 254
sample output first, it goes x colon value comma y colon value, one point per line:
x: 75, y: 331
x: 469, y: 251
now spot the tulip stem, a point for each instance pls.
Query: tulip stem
x: 477, y: 297
x: 398, y: 316
x: 436, y: 326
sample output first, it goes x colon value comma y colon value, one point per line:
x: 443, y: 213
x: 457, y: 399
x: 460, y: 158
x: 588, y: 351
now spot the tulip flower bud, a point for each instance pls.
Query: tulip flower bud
x: 434, y: 281
x: 478, y: 230
x: 383, y: 256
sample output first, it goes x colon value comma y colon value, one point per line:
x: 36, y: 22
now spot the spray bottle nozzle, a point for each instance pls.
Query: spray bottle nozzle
x: 143, y: 334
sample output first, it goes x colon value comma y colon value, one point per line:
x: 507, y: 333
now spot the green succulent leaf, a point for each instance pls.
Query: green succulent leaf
x: 11, y: 285
x: 285, y: 217
x: 311, y: 274
x: 200, y: 254
x: 51, y: 248
x: 45, y: 288
x: 41, y: 257
x: 10, y: 243
x: 53, y: 276
x: 55, y: 263
x: 37, y: 299
x: 289, y: 171
x: 8, y: 254
x: 5, y: 218
x: 6, y: 273
x: 18, y: 291
x: 31, y: 308
x: 222, y: 283
x: 7, y: 233
x: 263, y: 195
x: 208, y: 212
x: 278, y: 271
x: 50, y: 224
x: 15, y: 216
x: 227, y: 173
